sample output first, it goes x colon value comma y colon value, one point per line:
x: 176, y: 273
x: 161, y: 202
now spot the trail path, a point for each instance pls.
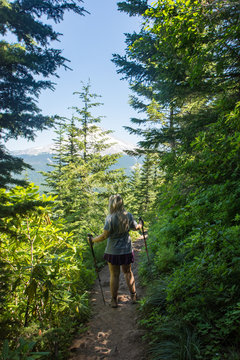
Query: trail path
x: 112, y: 333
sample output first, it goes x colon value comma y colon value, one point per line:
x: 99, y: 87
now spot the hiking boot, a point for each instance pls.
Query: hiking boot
x: 114, y: 303
x: 134, y: 298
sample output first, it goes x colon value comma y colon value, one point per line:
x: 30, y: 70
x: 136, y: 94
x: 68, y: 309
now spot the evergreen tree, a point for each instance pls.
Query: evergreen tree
x: 176, y: 61
x: 133, y: 7
x: 149, y: 179
x: 25, y: 68
x: 10, y: 164
x: 143, y: 186
x: 86, y: 179
x: 53, y: 178
x: 194, y: 242
x: 134, y: 194
x: 155, y: 91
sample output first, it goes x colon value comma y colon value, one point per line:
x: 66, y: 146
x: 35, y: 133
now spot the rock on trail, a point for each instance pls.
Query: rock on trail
x: 112, y: 333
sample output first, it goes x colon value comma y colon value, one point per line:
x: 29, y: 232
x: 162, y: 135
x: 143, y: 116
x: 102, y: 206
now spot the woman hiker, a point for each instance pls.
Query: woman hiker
x: 119, y: 251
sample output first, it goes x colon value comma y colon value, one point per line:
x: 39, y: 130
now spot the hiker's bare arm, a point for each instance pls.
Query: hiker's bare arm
x: 101, y: 237
x: 138, y: 227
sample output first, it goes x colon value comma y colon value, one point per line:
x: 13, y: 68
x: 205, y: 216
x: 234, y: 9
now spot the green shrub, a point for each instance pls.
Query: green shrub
x: 192, y: 307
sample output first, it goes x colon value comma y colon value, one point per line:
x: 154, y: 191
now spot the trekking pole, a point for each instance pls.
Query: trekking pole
x: 142, y: 223
x: 95, y: 264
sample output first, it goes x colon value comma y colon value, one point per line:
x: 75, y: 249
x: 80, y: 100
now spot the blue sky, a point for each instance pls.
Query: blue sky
x: 89, y: 42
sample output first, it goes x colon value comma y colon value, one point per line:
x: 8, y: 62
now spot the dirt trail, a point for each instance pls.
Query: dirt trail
x: 112, y: 333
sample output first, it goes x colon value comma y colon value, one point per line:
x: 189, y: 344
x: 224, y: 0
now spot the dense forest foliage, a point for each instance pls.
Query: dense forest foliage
x: 183, y: 69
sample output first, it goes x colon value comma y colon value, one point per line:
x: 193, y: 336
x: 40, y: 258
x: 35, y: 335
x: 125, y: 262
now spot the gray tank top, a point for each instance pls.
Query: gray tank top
x: 118, y: 243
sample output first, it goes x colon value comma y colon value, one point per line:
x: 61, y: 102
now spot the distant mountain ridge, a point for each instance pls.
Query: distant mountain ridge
x: 116, y: 146
x: 41, y: 158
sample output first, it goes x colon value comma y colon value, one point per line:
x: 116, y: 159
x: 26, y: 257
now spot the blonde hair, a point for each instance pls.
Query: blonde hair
x: 118, y: 212
x: 116, y: 204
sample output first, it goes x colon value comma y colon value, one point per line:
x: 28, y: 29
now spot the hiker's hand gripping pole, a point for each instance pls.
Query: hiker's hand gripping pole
x: 142, y: 223
x: 95, y: 264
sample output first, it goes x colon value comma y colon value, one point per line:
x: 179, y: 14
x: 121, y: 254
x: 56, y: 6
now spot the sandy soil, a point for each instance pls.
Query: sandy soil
x: 112, y: 333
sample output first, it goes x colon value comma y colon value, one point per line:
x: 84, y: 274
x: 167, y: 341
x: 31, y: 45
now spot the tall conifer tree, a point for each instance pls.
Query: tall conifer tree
x: 25, y: 68
x: 86, y: 177
x: 185, y: 64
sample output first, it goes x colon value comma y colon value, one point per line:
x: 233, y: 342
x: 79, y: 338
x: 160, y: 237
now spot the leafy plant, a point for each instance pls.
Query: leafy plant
x: 23, y: 351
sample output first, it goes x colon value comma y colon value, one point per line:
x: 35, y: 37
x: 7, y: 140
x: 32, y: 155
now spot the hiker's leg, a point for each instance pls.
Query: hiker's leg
x: 128, y: 274
x: 114, y: 279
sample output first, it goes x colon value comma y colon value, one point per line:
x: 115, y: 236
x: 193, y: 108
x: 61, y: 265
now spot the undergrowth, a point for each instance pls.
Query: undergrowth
x: 192, y: 308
